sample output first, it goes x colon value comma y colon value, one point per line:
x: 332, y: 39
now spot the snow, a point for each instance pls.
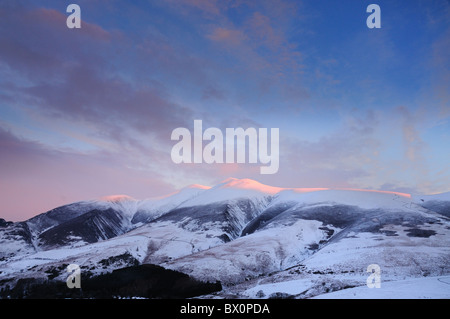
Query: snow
x: 165, y: 204
x: 362, y: 198
x: 445, y: 197
x: 248, y: 184
x: 170, y: 241
x: 417, y: 288
x: 153, y: 207
x: 121, y: 203
x: 268, y: 250
x: 230, y: 189
x: 116, y: 198
x: 87, y: 255
x: 291, y: 287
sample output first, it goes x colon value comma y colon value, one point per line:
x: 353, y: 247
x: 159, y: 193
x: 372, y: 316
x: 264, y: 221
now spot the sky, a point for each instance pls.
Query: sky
x: 89, y: 112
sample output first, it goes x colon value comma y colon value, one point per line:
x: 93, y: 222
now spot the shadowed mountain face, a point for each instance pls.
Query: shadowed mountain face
x: 59, y: 215
x: 341, y: 216
x: 232, y: 217
x: 440, y: 207
x: 239, y: 233
x: 90, y: 227
x: 62, y: 226
x: 15, y: 238
x: 4, y: 223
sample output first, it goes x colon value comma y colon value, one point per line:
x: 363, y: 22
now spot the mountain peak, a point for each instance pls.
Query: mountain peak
x: 246, y: 183
x: 196, y: 186
x: 117, y: 198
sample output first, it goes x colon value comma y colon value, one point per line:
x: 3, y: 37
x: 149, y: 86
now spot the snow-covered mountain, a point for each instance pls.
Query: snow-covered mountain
x: 259, y: 241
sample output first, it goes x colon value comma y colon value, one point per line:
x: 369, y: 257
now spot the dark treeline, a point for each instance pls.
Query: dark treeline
x: 148, y: 281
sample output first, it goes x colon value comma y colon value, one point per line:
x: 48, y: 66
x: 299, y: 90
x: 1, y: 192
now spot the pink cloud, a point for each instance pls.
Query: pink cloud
x: 261, y: 47
x: 227, y: 36
x: 261, y: 28
x: 46, y: 48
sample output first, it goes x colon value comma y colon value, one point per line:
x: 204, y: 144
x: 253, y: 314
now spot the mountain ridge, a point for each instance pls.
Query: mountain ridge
x: 236, y: 232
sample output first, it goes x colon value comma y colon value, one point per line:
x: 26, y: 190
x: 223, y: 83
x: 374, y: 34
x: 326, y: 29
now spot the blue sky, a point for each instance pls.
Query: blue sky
x: 89, y: 112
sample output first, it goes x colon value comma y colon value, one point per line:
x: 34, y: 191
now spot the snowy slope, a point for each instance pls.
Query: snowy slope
x: 332, y: 239
x: 439, y: 203
x: 86, y: 222
x: 416, y: 288
x: 361, y: 198
x: 420, y: 288
x: 150, y: 209
x: 272, y: 249
x: 15, y: 238
x: 443, y: 197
